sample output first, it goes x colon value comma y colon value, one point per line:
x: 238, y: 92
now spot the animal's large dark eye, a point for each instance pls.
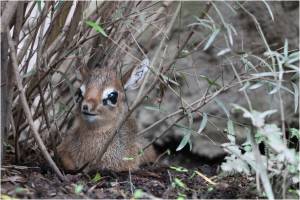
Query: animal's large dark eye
x: 113, y: 97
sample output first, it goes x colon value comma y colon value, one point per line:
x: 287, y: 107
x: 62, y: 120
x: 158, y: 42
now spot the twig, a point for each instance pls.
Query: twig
x: 261, y: 170
x: 29, y: 12
x: 39, y: 63
x: 244, y: 91
x: 17, y: 148
x: 282, y: 117
x: 205, y: 178
x: 27, y: 110
x: 160, y: 156
x: 6, y: 73
x: 154, y: 17
x: 208, y: 6
x: 138, y: 100
x: 201, y: 102
x: 30, y: 38
x: 66, y: 117
x: 54, y: 120
x: 8, y: 14
x: 156, y: 55
x: 54, y: 65
x: 163, y: 133
x: 130, y: 182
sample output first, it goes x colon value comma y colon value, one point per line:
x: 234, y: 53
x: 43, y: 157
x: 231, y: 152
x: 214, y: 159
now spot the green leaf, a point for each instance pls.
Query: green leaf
x: 181, y: 196
x: 168, y: 152
x: 97, y: 178
x: 293, y: 57
x: 248, y: 148
x: 245, y: 86
x: 263, y: 62
x: 20, y: 190
x: 61, y: 108
x: 179, y: 169
x: 138, y: 194
x: 263, y: 74
x: 210, y: 82
x: 211, y: 39
x: 255, y: 86
x: 30, y: 73
x: 247, y: 64
x: 96, y: 27
x: 223, y: 51
x: 259, y: 137
x: 154, y: 108
x: 40, y: 4
x: 78, y: 188
x: 234, y: 164
x: 168, y: 79
x: 201, y: 24
x: 58, y: 5
x: 185, y: 128
x: 179, y: 183
x: 183, y: 142
x: 296, y: 96
x: 203, y: 123
x: 231, y: 133
x: 190, y: 118
x: 184, y: 53
x: 269, y: 10
x: 141, y: 152
x: 257, y: 118
x: 294, y: 133
x: 128, y: 158
x: 281, y: 87
x: 230, y: 7
x: 188, y: 131
x: 229, y: 33
x: 286, y: 48
x: 6, y: 197
x: 8, y: 146
x: 221, y: 105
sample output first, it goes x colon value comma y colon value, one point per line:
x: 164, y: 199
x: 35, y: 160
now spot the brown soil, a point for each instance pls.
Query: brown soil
x: 153, y: 181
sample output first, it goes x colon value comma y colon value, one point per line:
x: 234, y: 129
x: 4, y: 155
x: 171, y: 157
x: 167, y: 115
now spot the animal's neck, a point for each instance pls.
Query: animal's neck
x: 96, y: 126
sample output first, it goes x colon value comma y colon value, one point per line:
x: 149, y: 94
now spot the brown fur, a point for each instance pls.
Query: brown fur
x: 84, y: 142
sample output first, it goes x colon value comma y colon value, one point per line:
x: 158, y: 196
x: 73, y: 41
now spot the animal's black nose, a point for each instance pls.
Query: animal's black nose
x: 85, y: 107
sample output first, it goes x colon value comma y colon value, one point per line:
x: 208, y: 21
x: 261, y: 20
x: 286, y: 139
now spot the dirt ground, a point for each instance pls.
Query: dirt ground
x: 156, y: 181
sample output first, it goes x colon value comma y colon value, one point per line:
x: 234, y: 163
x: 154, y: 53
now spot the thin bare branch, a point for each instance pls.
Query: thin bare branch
x: 27, y: 110
x: 138, y: 100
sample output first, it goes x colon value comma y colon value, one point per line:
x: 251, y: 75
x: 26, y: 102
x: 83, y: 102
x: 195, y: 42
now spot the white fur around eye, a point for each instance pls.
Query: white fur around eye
x: 105, y: 94
x: 82, y: 88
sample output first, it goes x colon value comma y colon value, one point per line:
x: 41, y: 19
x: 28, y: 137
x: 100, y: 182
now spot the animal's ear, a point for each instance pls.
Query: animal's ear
x: 84, y: 71
x: 133, y: 79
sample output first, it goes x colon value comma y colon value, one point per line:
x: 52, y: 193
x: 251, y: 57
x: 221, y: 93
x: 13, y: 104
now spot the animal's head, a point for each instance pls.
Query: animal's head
x: 103, y: 96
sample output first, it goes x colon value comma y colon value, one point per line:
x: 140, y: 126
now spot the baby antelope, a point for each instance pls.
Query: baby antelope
x: 101, y: 107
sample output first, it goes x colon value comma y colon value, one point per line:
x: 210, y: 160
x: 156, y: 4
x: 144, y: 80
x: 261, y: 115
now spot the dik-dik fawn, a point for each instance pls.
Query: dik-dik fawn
x: 103, y: 102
